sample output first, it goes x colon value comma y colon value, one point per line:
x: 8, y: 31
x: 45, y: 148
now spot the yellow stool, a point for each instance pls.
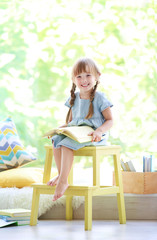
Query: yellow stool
x: 86, y: 191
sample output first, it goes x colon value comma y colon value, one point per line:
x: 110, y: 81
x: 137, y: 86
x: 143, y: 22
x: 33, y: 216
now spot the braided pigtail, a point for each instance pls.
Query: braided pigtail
x: 72, y: 100
x: 90, y: 112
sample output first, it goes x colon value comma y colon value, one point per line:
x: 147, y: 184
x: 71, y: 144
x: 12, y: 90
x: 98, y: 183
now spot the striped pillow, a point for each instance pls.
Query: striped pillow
x: 12, y: 152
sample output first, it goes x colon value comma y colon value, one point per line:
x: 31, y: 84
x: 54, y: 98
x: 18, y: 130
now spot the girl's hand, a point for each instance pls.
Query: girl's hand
x: 96, y: 135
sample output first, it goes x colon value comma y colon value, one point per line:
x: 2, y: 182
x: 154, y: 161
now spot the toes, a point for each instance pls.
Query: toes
x: 49, y: 183
x: 52, y: 182
x: 57, y: 197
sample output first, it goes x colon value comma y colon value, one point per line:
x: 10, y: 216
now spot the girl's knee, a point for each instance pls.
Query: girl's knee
x: 66, y: 149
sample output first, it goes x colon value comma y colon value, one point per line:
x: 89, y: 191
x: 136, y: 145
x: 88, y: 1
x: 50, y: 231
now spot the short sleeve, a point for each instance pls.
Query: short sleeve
x: 67, y: 103
x: 103, y: 102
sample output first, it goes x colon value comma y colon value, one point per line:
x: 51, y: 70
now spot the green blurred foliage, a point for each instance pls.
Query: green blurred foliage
x: 40, y: 40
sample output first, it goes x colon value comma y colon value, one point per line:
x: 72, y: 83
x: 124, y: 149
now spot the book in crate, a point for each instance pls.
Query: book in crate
x: 128, y: 166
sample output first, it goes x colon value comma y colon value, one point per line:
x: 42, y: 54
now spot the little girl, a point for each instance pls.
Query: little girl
x: 86, y: 107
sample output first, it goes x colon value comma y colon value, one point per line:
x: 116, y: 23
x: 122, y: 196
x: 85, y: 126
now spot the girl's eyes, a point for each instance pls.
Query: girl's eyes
x: 88, y: 75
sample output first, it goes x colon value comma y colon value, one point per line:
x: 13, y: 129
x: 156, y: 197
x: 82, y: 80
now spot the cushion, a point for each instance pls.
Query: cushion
x: 20, y: 177
x: 12, y: 152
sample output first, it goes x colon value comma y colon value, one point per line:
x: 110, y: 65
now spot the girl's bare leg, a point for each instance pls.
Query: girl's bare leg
x: 57, y: 157
x: 66, y: 164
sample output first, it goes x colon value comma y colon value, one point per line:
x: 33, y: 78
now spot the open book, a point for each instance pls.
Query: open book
x: 77, y: 133
x: 5, y: 224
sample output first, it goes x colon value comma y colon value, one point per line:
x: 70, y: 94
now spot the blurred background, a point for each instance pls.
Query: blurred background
x: 40, y: 41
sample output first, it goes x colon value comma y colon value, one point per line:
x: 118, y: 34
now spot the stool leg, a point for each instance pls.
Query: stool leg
x: 88, y: 211
x: 96, y: 169
x: 35, y: 207
x: 120, y: 195
x: 48, y: 164
x: 69, y: 209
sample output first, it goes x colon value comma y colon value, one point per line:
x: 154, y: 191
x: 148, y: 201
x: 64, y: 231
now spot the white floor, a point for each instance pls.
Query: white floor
x: 74, y: 230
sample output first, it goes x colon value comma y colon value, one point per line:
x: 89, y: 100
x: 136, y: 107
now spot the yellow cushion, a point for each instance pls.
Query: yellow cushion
x: 20, y: 177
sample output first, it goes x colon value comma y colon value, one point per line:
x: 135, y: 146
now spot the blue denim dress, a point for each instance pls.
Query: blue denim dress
x: 79, y: 112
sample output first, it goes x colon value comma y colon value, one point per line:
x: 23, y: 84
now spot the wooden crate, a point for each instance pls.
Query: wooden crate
x: 139, y: 182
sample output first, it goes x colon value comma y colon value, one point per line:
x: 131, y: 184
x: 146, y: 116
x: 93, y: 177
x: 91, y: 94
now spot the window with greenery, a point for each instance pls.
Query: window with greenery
x: 40, y: 41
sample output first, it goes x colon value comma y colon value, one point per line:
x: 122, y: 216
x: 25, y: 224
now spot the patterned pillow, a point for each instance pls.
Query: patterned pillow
x: 12, y: 152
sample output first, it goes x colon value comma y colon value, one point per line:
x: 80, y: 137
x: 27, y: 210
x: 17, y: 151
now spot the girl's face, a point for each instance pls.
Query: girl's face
x: 85, y: 81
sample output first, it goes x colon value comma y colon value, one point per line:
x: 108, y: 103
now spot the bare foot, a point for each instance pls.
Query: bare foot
x: 53, y: 181
x: 60, y: 189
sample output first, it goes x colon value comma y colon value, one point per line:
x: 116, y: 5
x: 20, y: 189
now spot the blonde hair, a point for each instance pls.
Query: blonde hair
x: 84, y: 65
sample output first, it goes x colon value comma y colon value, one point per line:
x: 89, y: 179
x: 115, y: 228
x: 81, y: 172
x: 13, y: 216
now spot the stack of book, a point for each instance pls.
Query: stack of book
x: 16, y: 217
x: 128, y: 166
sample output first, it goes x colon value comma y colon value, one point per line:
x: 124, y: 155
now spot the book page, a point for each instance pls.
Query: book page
x: 77, y: 133
x: 50, y: 133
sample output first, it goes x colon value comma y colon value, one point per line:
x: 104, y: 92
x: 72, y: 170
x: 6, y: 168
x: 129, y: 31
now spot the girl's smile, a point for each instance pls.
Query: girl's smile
x: 85, y: 85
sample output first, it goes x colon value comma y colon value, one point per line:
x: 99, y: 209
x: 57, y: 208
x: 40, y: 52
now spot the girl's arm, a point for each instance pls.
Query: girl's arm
x: 70, y: 116
x: 97, y: 134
